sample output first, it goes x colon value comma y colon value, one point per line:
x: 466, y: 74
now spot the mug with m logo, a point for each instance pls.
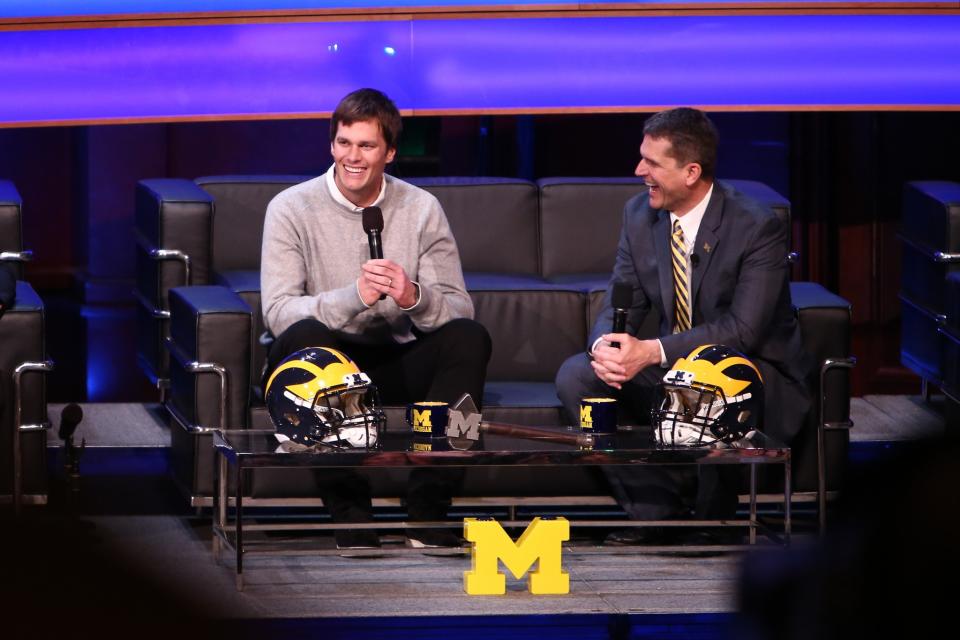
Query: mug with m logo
x: 428, y: 419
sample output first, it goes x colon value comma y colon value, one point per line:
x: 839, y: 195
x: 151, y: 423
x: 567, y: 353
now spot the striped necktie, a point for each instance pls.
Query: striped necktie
x: 681, y: 287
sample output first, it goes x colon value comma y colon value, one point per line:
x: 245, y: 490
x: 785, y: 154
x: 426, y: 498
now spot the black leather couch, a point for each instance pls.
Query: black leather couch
x: 930, y: 241
x: 536, y: 258
x: 23, y: 361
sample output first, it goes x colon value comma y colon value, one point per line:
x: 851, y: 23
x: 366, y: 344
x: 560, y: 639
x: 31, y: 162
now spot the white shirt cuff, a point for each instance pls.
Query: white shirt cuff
x: 663, y: 355
x: 368, y: 306
x: 414, y: 305
x: 593, y: 347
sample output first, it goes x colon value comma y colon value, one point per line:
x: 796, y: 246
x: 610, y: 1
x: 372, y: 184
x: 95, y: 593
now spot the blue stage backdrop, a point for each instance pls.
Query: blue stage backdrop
x: 524, y: 65
x: 56, y: 8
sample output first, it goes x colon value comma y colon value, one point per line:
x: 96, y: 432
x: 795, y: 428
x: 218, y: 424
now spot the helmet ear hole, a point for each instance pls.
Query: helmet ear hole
x: 743, y: 416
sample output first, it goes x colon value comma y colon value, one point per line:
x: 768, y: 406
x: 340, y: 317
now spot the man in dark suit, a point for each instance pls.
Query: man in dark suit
x: 734, y: 252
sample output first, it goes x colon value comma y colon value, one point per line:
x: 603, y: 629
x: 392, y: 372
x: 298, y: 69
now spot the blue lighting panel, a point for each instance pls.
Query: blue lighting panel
x: 182, y: 72
x: 223, y: 71
x: 52, y: 8
x: 716, y: 61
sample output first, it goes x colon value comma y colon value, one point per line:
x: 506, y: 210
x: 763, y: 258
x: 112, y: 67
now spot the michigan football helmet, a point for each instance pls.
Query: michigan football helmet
x: 318, y: 396
x: 714, y: 395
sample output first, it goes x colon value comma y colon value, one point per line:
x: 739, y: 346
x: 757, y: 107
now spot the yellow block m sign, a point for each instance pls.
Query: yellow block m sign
x: 540, y: 542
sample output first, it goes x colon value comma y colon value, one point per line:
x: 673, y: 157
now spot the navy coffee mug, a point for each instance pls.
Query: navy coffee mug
x: 428, y: 419
x: 598, y: 415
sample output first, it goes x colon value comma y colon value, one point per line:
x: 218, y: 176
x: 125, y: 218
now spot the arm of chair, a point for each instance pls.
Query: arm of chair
x: 11, y: 229
x: 173, y: 221
x: 210, y: 343
x: 23, y: 407
x: 825, y: 326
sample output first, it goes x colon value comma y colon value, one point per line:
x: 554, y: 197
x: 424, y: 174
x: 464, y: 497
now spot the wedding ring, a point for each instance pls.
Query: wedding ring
x: 389, y: 282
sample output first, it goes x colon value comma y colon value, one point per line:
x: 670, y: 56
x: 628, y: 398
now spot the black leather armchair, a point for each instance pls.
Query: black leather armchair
x: 23, y: 360
x: 930, y: 241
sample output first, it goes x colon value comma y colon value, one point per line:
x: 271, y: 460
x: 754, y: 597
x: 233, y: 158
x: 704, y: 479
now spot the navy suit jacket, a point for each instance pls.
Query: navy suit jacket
x: 740, y: 294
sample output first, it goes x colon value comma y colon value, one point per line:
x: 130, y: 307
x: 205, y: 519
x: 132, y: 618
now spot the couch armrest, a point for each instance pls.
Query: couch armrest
x: 11, y: 228
x: 173, y: 226
x: 23, y: 406
x: 211, y: 338
x: 825, y: 320
x: 173, y: 220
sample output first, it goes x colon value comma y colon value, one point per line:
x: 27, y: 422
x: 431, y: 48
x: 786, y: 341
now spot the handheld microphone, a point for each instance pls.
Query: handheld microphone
x: 620, y: 299
x: 694, y: 260
x: 373, y: 225
x: 69, y: 420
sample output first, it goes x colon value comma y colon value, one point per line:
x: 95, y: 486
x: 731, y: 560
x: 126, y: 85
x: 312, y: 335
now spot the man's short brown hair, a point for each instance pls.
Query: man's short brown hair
x: 692, y: 136
x: 368, y: 104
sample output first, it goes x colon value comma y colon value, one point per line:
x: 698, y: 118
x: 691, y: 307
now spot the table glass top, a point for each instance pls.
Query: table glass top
x: 500, y: 445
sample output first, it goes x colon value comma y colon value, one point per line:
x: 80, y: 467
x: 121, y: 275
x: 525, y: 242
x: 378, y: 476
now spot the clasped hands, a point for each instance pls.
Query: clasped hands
x: 386, y: 277
x: 614, y: 366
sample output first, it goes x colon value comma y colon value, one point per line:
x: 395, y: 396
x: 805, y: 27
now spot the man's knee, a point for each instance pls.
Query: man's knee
x: 575, y: 380
x: 469, y: 338
x: 575, y: 376
x: 305, y: 333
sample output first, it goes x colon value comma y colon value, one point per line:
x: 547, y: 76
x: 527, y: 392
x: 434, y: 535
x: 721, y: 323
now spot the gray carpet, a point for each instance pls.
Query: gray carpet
x: 175, y: 551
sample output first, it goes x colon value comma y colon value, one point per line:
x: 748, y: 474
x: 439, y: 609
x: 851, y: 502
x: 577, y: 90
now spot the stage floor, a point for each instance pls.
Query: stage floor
x: 131, y: 513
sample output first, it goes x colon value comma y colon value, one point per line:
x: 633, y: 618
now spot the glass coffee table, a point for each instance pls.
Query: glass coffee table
x: 241, y: 451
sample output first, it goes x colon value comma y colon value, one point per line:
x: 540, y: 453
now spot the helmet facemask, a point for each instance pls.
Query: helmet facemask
x: 686, y: 414
x: 348, y: 418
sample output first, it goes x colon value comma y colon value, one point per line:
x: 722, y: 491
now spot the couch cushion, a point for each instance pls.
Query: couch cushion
x: 494, y: 221
x: 534, y: 325
x: 240, y: 204
x: 580, y: 221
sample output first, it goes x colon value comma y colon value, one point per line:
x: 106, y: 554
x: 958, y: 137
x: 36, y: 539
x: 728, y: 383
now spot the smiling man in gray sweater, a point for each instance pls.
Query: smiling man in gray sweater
x: 405, y: 319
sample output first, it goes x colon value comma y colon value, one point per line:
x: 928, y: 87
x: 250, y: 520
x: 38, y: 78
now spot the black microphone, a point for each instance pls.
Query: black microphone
x: 373, y: 225
x: 694, y: 260
x: 621, y: 298
x: 69, y: 420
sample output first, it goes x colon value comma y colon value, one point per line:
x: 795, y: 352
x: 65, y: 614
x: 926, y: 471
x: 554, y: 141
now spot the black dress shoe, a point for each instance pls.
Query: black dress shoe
x: 635, y: 536
x: 702, y: 543
x: 358, y: 543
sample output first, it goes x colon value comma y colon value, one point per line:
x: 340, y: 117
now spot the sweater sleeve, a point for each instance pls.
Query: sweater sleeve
x: 443, y: 293
x: 283, y: 279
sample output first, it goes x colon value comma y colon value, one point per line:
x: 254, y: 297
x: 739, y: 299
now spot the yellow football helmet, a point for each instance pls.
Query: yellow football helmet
x: 320, y: 396
x: 715, y: 394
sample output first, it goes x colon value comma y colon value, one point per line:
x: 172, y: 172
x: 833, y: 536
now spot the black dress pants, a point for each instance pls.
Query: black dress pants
x: 440, y: 365
x: 651, y: 492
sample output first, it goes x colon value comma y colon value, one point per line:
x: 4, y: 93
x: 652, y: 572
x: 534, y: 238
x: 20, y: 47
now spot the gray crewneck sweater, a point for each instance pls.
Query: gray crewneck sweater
x: 313, y: 248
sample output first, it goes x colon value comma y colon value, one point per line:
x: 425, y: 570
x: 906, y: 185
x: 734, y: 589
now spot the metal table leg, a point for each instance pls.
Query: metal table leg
x: 787, y: 499
x: 239, y: 521
x: 753, y: 504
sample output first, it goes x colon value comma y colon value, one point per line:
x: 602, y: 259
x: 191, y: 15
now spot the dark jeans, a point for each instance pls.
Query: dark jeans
x: 654, y: 492
x: 440, y: 365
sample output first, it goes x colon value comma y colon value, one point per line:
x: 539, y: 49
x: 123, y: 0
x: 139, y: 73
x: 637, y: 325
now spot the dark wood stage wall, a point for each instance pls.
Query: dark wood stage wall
x: 842, y: 171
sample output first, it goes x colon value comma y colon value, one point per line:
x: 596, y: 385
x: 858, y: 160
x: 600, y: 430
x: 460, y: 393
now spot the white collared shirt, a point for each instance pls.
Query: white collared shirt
x: 340, y: 199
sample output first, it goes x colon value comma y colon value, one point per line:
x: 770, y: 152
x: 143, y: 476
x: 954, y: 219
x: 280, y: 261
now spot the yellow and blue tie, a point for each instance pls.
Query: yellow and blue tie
x: 681, y: 283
